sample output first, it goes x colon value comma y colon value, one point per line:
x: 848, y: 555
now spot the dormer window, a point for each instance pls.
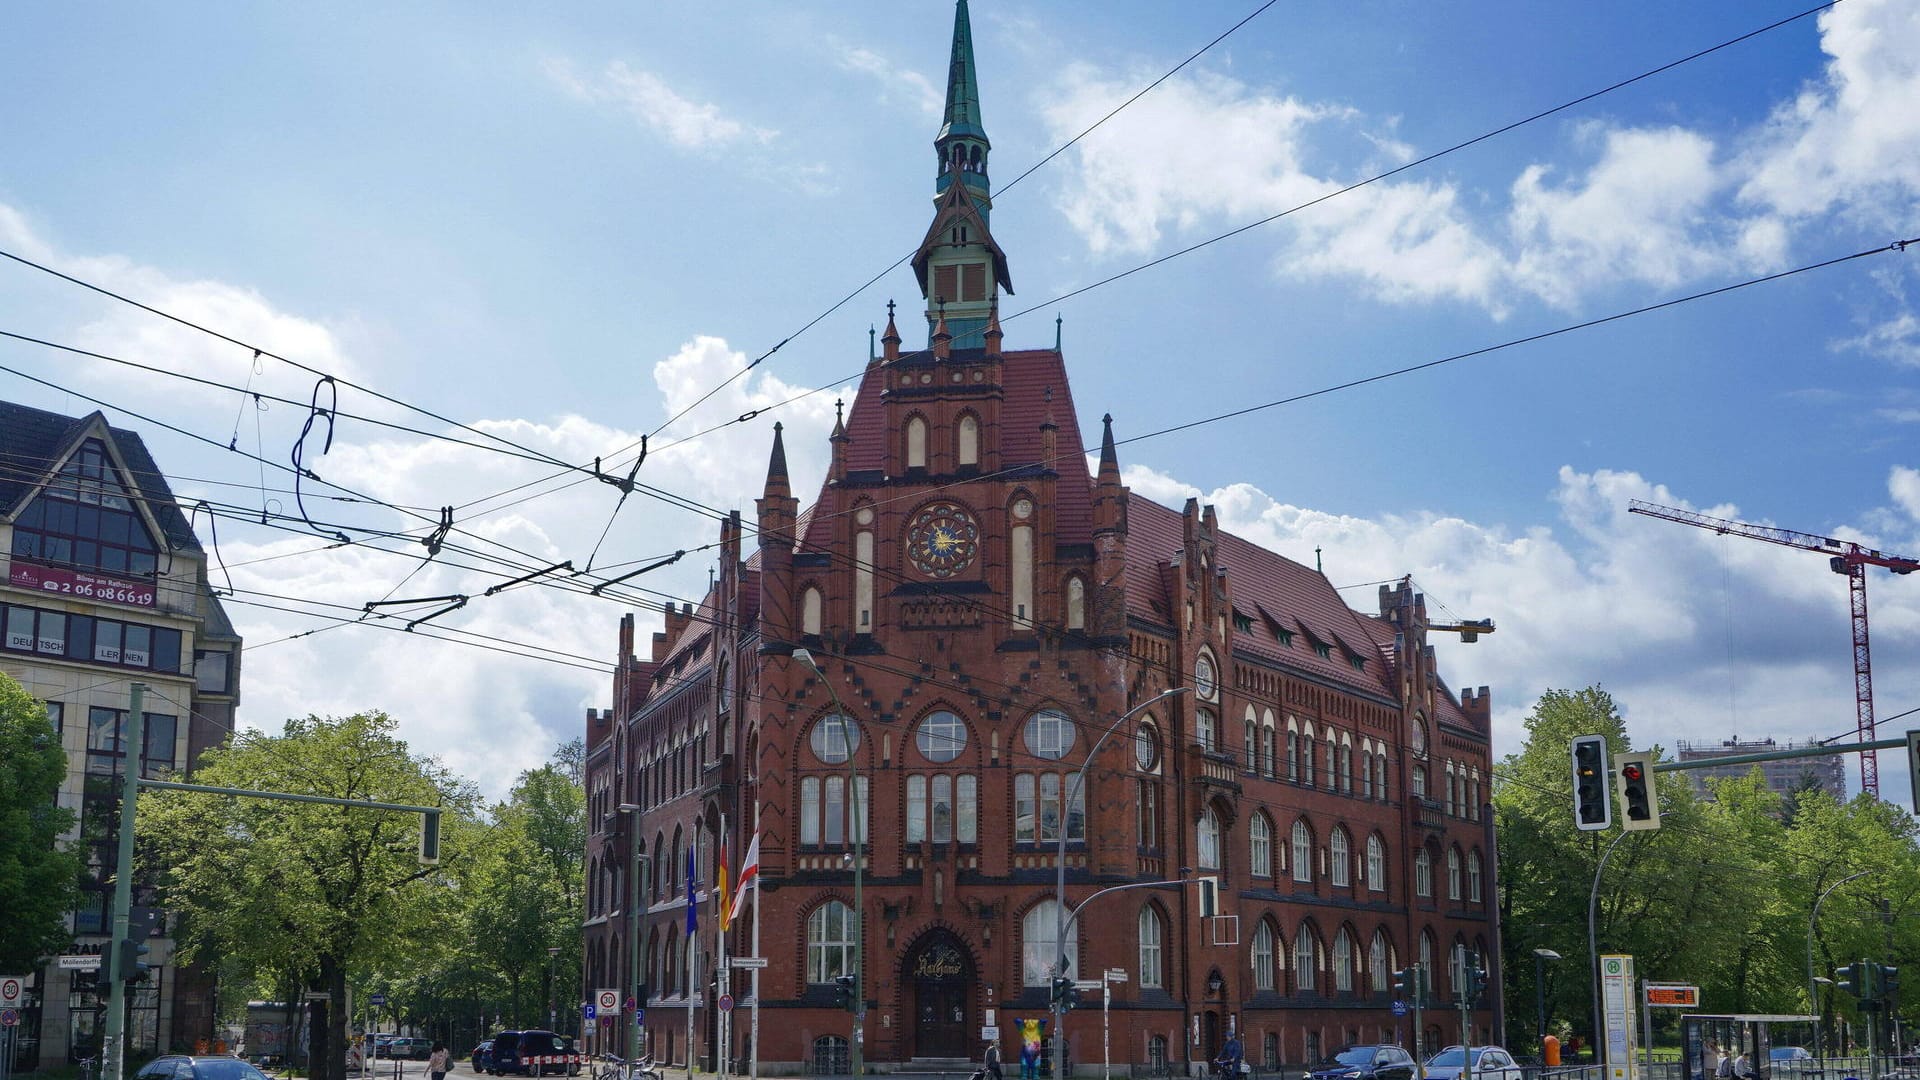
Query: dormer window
x: 85, y: 518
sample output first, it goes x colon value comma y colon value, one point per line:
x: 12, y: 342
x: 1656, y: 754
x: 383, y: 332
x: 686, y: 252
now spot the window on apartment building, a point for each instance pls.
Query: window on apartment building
x: 1037, y: 809
x: 830, y: 943
x: 86, y: 518
x: 943, y: 809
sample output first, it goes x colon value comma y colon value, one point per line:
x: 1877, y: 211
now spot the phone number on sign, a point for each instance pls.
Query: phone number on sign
x: 119, y: 594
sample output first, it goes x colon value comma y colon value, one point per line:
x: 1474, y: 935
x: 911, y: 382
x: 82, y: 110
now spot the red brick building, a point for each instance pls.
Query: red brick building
x: 984, y: 609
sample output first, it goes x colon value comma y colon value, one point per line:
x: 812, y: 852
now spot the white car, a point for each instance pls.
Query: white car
x: 1489, y: 1063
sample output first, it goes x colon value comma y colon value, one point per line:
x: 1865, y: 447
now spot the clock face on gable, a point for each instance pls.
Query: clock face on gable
x: 942, y: 539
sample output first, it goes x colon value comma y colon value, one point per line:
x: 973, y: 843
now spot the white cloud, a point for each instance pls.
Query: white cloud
x: 896, y: 83
x: 658, y: 107
x: 1699, y: 636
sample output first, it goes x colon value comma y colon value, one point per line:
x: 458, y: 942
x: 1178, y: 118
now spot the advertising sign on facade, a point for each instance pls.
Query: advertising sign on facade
x: 80, y: 585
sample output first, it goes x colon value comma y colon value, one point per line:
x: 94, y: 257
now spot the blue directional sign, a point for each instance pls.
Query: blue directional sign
x: 377, y: 999
x: 1399, y: 1008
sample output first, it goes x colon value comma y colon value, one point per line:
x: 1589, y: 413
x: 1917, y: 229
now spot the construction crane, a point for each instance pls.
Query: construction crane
x: 1844, y: 557
x: 1469, y: 630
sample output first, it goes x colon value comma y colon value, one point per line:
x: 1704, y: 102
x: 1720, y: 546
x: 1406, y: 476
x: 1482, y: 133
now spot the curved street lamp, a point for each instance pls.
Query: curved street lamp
x: 1813, y: 988
x: 1068, y: 793
x: 1540, y: 958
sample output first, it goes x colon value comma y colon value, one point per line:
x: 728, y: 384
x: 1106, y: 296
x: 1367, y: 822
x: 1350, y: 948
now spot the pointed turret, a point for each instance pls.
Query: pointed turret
x: 962, y: 143
x: 837, y: 470
x: 993, y: 334
x: 890, y: 341
x: 777, y: 466
x: 1109, y: 461
x: 777, y: 512
x: 942, y: 339
x: 958, y: 263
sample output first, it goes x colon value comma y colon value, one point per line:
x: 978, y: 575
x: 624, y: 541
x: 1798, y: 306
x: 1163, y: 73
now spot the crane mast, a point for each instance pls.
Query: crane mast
x: 1844, y: 557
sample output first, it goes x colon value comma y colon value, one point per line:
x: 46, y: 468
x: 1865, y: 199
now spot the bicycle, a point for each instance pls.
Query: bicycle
x: 612, y: 1067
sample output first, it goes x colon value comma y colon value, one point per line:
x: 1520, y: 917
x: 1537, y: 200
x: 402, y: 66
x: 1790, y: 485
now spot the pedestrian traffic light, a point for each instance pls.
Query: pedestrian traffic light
x: 130, y: 965
x: 843, y: 991
x: 1592, y: 800
x: 1639, y: 807
x: 1848, y: 980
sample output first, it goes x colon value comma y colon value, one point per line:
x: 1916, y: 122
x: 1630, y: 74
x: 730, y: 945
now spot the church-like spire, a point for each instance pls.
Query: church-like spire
x: 962, y: 143
x: 958, y: 264
x: 777, y: 466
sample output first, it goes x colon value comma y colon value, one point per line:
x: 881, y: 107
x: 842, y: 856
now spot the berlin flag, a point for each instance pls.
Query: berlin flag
x: 749, y: 877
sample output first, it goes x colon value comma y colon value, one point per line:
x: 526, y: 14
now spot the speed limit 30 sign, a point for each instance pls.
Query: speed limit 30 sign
x: 606, y: 1001
x: 13, y: 990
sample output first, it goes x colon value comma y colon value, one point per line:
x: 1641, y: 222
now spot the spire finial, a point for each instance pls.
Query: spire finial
x: 1109, y: 460
x: 777, y: 464
x: 871, y: 354
x: 1057, y: 321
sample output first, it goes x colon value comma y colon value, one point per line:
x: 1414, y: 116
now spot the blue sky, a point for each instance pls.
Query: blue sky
x: 564, y: 225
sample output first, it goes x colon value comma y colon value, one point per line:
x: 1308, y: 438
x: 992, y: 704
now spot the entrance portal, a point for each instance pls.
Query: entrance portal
x: 942, y: 974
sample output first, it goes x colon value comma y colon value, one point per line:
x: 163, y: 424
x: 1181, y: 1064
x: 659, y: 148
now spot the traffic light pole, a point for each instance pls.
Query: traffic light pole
x: 113, y: 1050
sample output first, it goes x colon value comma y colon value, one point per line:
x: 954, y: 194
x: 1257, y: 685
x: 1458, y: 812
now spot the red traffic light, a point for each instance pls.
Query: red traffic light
x: 1631, y: 771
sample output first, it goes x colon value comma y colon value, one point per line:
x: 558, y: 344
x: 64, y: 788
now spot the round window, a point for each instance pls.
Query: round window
x: 1146, y: 747
x: 1203, y: 680
x: 834, y: 739
x: 941, y: 737
x: 1049, y: 734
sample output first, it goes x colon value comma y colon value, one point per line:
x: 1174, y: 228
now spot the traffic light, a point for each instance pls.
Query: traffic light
x: 1403, y: 981
x: 1476, y: 981
x: 1592, y: 800
x: 1062, y: 987
x: 843, y: 991
x: 130, y: 965
x: 1639, y: 807
x: 1848, y: 980
x: 1889, y: 981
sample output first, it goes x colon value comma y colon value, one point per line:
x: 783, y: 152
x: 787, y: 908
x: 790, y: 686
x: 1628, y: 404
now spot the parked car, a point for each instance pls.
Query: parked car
x: 512, y: 1055
x: 1491, y: 1062
x: 1375, y: 1061
x: 501, y: 1044
x: 1790, y: 1058
x: 183, y: 1067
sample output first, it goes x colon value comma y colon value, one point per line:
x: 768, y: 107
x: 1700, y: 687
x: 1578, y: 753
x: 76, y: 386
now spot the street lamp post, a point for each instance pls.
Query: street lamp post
x: 856, y: 1046
x: 1540, y: 958
x: 634, y: 982
x: 1813, y: 988
x: 1069, y: 792
x: 553, y: 1012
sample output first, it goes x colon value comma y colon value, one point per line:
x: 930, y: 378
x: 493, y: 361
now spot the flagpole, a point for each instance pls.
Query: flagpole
x: 693, y: 947
x: 753, y: 1061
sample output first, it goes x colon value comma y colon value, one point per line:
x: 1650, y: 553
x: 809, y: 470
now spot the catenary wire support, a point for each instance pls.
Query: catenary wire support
x: 668, y: 561
x: 433, y: 541
x: 213, y: 535
x: 300, y: 470
x: 524, y: 578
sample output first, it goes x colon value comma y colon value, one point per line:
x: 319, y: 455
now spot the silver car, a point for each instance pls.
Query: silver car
x: 1489, y: 1063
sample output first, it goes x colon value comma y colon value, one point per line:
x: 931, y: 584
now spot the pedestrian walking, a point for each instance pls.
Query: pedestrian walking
x: 991, y: 1064
x: 437, y: 1062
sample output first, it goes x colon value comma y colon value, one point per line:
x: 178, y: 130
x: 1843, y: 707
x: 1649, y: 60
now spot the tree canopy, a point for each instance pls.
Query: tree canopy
x: 39, y: 877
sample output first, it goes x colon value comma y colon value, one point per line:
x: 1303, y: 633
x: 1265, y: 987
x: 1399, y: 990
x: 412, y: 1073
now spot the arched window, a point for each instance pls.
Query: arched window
x: 863, y: 582
x: 723, y: 686
x: 1380, y: 780
x: 1306, y: 757
x: 1473, y: 876
x: 1263, y: 956
x: 1379, y: 964
x: 916, y: 443
x: 1343, y: 961
x: 916, y: 809
x: 829, y: 942
x: 1366, y: 769
x: 810, y: 612
x: 1420, y: 781
x: 1453, y: 873
x: 1426, y: 949
x: 1303, y: 959
x: 1076, y: 603
x: 1293, y: 753
x: 1302, y: 852
x: 1259, y: 846
x: 1208, y: 836
x: 1266, y: 749
x: 1376, y: 865
x: 1341, y: 857
x: 1150, y: 958
x: 967, y: 441
x: 1250, y: 742
x: 1346, y: 768
x: 1021, y: 549
x: 1422, y: 873
x: 810, y: 810
x: 1206, y: 729
x: 1039, y: 931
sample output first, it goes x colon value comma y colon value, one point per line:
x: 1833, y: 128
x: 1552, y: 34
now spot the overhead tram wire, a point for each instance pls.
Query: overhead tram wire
x: 1484, y: 136
x: 870, y: 282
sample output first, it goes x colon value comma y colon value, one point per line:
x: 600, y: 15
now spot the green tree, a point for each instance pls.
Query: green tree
x: 39, y: 876
x: 320, y: 894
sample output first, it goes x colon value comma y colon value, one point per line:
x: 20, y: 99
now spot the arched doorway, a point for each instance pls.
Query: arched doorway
x: 941, y: 974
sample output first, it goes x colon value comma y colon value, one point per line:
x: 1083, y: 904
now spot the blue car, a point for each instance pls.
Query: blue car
x: 1375, y: 1061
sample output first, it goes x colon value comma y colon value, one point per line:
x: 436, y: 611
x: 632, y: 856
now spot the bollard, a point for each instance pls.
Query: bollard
x: 1550, y: 1050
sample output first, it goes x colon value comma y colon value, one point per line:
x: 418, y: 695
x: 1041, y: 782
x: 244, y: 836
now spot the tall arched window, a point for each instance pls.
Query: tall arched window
x: 1259, y: 846
x: 1266, y: 749
x: 967, y: 441
x: 916, y: 443
x: 1208, y: 839
x: 1473, y: 876
x: 1453, y: 873
x: 863, y: 582
x: 1302, y: 852
x: 1076, y: 603
x: 1422, y: 873
x: 1306, y: 757
x: 1293, y: 752
x: 1343, y: 961
x: 1263, y: 956
x: 1151, y: 967
x: 1206, y: 729
x: 1426, y: 949
x: 810, y: 612
x: 1380, y: 778
x: 1341, y: 857
x: 1022, y: 559
x: 1378, y: 963
x: 1376, y: 864
x: 1303, y: 959
x: 829, y: 942
x: 1039, y: 931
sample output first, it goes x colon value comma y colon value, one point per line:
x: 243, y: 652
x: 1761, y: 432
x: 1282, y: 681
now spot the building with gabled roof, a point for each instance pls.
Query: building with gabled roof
x: 106, y: 586
x: 908, y: 677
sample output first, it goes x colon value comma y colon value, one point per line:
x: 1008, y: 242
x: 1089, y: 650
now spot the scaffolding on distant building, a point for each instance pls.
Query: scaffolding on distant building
x: 1828, y: 774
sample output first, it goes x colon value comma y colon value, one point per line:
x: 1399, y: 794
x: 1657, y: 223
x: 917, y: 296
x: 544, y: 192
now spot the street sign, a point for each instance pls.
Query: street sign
x: 990, y: 1033
x: 12, y: 989
x: 376, y: 1000
x: 9, y: 1017
x: 587, y: 1011
x: 1399, y: 1008
x: 1672, y: 996
x: 319, y: 995
x: 79, y: 961
x: 1116, y: 975
x: 608, y: 1000
x: 726, y: 1002
x: 749, y: 961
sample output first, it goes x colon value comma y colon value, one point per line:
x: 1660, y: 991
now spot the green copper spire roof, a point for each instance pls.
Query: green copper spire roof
x: 963, y: 92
